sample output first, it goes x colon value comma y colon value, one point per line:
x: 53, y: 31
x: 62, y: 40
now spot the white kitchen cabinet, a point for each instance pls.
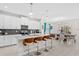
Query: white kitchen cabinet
x: 7, y: 40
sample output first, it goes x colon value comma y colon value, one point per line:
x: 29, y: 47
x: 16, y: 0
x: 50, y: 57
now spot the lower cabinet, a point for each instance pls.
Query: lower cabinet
x: 7, y: 40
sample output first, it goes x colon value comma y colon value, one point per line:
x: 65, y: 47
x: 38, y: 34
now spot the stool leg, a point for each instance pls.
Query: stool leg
x: 37, y: 52
x: 51, y: 43
x: 74, y: 41
x: 28, y: 50
x: 46, y: 50
x: 29, y: 54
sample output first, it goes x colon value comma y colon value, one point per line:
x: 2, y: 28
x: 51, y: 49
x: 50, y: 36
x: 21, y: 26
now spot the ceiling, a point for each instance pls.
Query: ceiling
x: 56, y: 11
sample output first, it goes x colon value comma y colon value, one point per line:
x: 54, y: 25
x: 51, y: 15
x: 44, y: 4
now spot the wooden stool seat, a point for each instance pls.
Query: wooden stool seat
x: 52, y: 35
x: 38, y: 39
x: 45, y: 37
x: 28, y: 42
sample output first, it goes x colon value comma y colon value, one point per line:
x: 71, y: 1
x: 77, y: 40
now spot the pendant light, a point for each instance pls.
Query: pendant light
x: 31, y: 4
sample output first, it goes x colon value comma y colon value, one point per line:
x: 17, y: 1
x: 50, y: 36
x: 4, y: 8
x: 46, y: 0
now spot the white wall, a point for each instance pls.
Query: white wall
x: 33, y: 24
x: 9, y: 22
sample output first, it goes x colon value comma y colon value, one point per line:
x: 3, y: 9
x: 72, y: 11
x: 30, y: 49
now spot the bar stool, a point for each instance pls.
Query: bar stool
x: 37, y: 40
x: 51, y: 37
x: 58, y: 36
x: 72, y: 37
x: 28, y: 42
x: 65, y: 38
x: 45, y: 39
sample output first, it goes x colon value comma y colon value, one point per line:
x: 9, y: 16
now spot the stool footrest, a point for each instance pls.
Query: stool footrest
x: 38, y: 53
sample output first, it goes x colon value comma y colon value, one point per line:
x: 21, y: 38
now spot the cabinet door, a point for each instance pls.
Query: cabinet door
x: 14, y: 40
x: 6, y: 40
x: 1, y: 41
x: 10, y: 40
